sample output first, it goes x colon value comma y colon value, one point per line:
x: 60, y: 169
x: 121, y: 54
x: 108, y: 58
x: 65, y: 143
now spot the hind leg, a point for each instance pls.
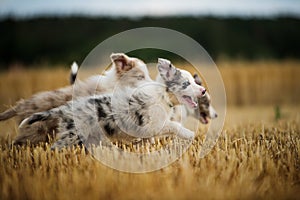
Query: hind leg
x: 66, y: 139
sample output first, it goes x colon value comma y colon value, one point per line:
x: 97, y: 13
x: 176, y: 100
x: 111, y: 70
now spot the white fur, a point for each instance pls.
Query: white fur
x: 74, y: 68
x: 108, y: 81
x: 186, y: 95
x: 141, y: 112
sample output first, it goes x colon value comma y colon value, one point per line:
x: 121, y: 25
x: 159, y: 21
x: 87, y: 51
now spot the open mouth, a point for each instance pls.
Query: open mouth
x: 203, y: 118
x: 189, y: 101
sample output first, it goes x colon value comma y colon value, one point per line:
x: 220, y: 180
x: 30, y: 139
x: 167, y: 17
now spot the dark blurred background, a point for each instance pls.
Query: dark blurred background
x: 57, y: 40
x: 53, y: 33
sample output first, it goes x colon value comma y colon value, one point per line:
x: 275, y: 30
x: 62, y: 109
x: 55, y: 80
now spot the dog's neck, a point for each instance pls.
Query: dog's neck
x: 170, y: 97
x: 109, y: 78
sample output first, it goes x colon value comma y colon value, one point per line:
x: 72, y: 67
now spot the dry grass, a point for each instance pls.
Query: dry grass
x: 249, y: 161
x: 261, y: 82
x: 255, y: 157
x: 20, y: 83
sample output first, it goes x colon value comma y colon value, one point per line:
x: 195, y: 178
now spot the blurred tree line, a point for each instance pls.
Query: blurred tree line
x: 58, y: 40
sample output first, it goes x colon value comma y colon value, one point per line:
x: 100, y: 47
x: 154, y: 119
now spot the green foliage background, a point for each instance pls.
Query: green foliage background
x: 62, y: 40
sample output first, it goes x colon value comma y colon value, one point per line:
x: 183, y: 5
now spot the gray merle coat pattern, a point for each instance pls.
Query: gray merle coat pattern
x: 98, y: 84
x: 127, y: 113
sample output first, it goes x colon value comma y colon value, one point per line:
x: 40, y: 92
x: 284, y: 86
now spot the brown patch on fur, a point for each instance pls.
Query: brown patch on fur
x: 51, y: 99
x: 173, y: 99
x: 122, y: 63
x: 124, y: 69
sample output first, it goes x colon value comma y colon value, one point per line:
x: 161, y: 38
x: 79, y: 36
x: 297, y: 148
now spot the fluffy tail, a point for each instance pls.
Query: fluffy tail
x: 74, y: 71
x: 9, y: 113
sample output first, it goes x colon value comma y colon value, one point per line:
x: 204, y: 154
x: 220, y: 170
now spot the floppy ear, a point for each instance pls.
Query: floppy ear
x: 121, y: 61
x: 197, y: 79
x: 166, y: 70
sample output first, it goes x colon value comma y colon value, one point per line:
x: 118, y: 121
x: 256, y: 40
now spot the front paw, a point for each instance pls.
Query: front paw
x: 187, y: 134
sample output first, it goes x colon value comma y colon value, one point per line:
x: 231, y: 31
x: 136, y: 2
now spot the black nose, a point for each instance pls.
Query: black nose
x: 203, y: 92
x: 216, y: 115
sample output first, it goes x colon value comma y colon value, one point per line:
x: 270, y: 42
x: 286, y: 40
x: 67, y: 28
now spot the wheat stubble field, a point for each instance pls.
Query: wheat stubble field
x: 256, y: 157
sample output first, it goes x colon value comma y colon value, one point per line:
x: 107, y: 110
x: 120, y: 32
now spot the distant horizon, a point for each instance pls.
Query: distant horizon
x: 78, y: 15
x: 20, y: 9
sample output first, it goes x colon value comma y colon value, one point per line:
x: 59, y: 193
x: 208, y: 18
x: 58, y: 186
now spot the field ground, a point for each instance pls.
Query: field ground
x: 256, y: 156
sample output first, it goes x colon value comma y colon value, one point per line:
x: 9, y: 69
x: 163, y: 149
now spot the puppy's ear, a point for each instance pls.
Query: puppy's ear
x: 121, y: 61
x: 197, y: 79
x: 166, y: 70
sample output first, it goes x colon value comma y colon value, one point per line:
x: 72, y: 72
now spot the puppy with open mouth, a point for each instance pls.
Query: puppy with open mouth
x: 204, y: 111
x: 95, y: 116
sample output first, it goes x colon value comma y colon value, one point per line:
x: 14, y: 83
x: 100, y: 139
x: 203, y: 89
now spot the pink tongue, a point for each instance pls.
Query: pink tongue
x: 190, y: 101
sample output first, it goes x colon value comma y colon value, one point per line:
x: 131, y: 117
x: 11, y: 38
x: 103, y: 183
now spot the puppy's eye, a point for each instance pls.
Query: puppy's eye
x: 185, y: 84
x: 140, y: 77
